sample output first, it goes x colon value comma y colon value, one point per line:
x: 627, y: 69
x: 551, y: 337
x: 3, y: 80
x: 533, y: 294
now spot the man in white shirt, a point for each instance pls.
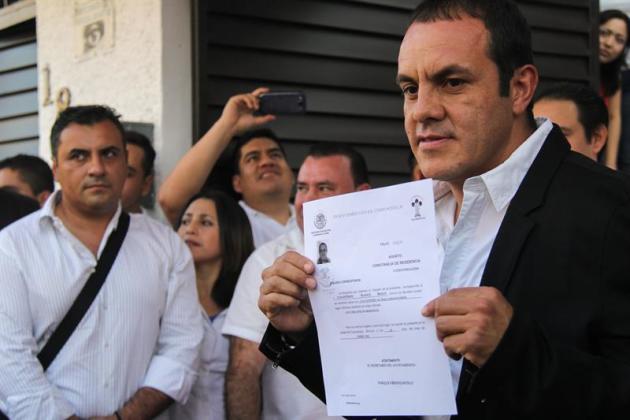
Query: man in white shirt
x: 535, y: 310
x: 140, y: 161
x: 580, y: 113
x: 261, y: 173
x: 254, y: 389
x: 137, y: 347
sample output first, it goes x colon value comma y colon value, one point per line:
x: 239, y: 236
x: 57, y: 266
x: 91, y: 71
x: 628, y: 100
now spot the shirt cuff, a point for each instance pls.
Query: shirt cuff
x: 247, y: 334
x: 50, y: 405
x: 170, y: 377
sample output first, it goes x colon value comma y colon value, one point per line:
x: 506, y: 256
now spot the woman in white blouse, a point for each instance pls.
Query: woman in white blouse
x: 219, y: 236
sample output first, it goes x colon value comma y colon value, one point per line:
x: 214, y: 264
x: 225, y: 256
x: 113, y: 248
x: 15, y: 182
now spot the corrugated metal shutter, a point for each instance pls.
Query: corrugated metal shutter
x: 18, y: 90
x: 343, y: 55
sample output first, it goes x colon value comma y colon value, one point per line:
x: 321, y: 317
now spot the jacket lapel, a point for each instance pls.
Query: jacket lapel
x: 516, y: 225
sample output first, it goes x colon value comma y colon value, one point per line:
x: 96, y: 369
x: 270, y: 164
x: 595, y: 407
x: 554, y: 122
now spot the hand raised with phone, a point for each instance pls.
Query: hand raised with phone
x: 239, y: 112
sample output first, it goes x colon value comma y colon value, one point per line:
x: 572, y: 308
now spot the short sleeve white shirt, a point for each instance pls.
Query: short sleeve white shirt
x: 206, y: 399
x: 284, y: 397
x: 265, y: 228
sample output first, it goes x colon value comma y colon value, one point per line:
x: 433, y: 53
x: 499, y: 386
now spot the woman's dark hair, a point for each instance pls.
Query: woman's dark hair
x: 235, y: 238
x: 610, y: 73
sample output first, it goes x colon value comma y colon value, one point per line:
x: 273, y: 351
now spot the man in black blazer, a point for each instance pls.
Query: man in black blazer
x: 544, y: 333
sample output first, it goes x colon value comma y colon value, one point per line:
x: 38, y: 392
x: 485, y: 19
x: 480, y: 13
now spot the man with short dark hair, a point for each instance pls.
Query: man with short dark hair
x: 140, y: 161
x: 136, y: 348
x: 262, y: 175
x: 580, y: 113
x: 532, y: 237
x: 254, y: 389
x: 27, y: 175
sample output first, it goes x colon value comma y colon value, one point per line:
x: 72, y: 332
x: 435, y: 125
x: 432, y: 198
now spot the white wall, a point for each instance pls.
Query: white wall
x: 615, y: 4
x: 145, y: 75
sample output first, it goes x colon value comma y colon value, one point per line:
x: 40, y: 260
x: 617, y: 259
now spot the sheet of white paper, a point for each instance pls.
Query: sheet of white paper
x: 376, y: 255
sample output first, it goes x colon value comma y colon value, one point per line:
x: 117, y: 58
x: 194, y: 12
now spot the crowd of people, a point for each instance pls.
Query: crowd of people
x: 108, y: 313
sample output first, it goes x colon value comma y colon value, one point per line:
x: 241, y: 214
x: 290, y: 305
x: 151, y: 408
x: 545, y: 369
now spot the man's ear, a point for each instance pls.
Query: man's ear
x: 147, y: 184
x: 598, y: 138
x: 363, y: 187
x: 54, y: 168
x: 42, y: 197
x: 236, y: 184
x: 522, y: 88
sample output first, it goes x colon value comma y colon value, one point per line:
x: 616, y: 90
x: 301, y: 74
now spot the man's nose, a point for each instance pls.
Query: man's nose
x: 97, y: 166
x: 266, y: 160
x: 427, y: 106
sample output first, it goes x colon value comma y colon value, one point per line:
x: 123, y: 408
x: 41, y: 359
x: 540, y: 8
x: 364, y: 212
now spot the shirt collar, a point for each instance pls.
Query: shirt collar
x: 255, y: 213
x: 47, y: 213
x: 503, y: 181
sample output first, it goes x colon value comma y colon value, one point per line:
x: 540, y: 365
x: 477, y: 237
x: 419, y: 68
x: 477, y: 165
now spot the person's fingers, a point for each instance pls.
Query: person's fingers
x: 264, y: 119
x: 429, y: 308
x: 273, y: 303
x: 260, y: 90
x: 455, y: 346
x: 276, y: 284
x: 448, y: 305
x: 294, y: 268
x: 447, y: 325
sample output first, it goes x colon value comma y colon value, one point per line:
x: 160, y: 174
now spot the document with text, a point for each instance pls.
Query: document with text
x: 376, y: 267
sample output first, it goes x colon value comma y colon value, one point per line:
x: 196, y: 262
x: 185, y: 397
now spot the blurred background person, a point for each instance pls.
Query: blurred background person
x: 613, y: 44
x: 140, y: 160
x: 262, y: 175
x: 27, y: 175
x: 579, y: 112
x: 14, y: 206
x: 218, y: 234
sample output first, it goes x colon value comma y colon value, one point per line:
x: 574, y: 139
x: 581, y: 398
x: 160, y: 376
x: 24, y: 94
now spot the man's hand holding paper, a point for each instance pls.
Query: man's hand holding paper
x: 283, y: 294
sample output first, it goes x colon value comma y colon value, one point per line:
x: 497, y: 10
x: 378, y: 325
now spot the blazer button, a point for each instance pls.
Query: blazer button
x: 483, y: 400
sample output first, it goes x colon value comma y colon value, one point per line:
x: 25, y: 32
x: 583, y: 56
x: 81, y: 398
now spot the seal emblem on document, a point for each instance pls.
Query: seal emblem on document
x: 320, y: 221
x: 416, y: 204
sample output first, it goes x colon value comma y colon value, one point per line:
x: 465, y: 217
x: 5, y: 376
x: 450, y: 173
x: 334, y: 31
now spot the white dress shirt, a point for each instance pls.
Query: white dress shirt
x: 464, y: 247
x: 144, y: 329
x: 206, y: 400
x: 283, y: 396
x: 265, y: 228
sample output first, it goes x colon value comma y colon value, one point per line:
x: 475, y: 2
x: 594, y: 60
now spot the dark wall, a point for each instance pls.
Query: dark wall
x: 342, y: 54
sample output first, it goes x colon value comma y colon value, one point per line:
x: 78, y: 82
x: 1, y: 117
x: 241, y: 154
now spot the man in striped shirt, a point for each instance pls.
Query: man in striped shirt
x: 137, y: 347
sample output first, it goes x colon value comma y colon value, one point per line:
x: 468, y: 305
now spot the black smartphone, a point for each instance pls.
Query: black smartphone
x: 293, y: 102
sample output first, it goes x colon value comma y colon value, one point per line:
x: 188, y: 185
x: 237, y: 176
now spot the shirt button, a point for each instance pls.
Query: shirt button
x: 483, y: 400
x: 106, y: 345
x: 106, y: 384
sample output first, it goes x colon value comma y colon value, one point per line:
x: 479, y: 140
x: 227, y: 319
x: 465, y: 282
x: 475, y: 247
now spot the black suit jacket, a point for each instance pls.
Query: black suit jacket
x: 562, y: 259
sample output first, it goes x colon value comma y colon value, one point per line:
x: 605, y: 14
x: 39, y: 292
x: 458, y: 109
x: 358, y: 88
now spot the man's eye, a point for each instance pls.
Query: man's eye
x: 409, y: 90
x: 185, y: 222
x: 454, y: 83
x: 301, y: 188
x: 77, y: 156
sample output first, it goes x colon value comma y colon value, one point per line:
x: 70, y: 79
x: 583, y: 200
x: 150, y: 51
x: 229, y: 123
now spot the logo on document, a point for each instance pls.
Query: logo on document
x: 324, y: 277
x: 416, y: 205
x: 320, y: 221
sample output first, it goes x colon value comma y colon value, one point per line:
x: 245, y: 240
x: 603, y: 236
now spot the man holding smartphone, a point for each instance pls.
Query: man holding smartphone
x: 261, y: 173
